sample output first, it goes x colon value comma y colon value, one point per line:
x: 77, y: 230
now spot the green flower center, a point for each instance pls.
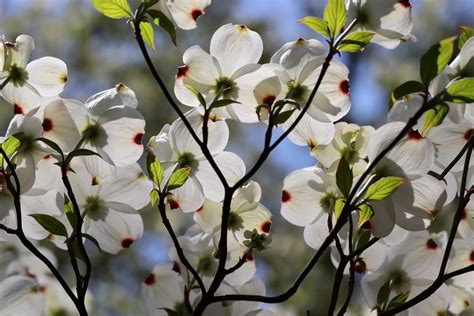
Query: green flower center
x: 187, y: 160
x: 228, y: 87
x: 327, y: 202
x: 351, y: 155
x: 296, y: 91
x: 206, y: 265
x: 235, y: 222
x: 92, y: 133
x: 400, y: 280
x: 94, y: 207
x: 18, y: 75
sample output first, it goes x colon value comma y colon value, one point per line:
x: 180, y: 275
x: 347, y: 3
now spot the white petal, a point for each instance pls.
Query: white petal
x: 116, y: 231
x: 235, y: 46
x: 20, y: 295
x: 163, y: 288
x: 186, y: 12
x: 104, y: 100
x: 59, y: 126
x: 124, y: 128
x: 48, y: 75
x: 302, y: 192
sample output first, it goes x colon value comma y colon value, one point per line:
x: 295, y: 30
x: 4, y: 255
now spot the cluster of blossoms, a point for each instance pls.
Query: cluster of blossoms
x: 72, y: 156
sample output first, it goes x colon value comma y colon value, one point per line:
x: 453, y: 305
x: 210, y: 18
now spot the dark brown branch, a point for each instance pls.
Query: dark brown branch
x: 174, y: 238
x: 15, y: 190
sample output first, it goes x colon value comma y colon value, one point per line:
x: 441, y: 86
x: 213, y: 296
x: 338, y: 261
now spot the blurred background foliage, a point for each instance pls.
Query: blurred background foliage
x: 102, y: 52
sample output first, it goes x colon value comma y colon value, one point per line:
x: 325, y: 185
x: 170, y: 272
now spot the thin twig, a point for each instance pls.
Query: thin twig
x: 15, y: 190
x: 179, y: 250
x: 463, y: 200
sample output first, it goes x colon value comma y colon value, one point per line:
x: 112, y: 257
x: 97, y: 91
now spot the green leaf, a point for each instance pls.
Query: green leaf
x: 93, y: 240
x: 154, y: 195
x: 164, y: 22
x: 406, y: 88
x: 383, y: 188
x: 150, y: 3
x: 221, y: 103
x: 437, y: 57
x: 366, y: 212
x: 178, y: 178
x: 383, y: 293
x: 282, y: 117
x: 9, y: 146
x: 197, y: 94
x: 146, y: 29
x: 434, y: 117
x: 51, y: 224
x: 155, y: 170
x: 316, y: 24
x: 338, y: 207
x: 466, y: 33
x: 51, y: 144
x: 80, y: 152
x: 69, y: 211
x: 461, y: 91
x: 398, y: 300
x: 116, y: 9
x: 344, y: 177
x: 335, y: 16
x: 355, y: 41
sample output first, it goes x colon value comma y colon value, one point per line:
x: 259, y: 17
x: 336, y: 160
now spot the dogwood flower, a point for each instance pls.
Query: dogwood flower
x: 246, y: 213
x: 184, y: 13
x: 29, y: 82
x: 175, y: 146
x: 20, y: 295
x: 390, y: 20
x: 110, y: 207
x: 350, y: 141
x: 331, y: 101
x: 234, y: 52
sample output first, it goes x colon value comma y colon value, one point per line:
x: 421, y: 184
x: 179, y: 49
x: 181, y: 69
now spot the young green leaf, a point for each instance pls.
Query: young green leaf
x: 146, y: 29
x: 383, y: 188
x: 384, y: 293
x: 93, y: 240
x: 436, y: 58
x: 221, y: 103
x: 282, y: 117
x: 434, y: 117
x: 344, y: 177
x: 461, y: 91
x: 116, y: 9
x: 164, y: 22
x: 9, y: 146
x: 51, y: 144
x: 338, y: 207
x: 154, y: 195
x: 197, y: 94
x: 80, y: 152
x: 154, y: 168
x: 69, y: 210
x: 355, y: 42
x: 466, y: 33
x: 316, y: 24
x: 398, y: 300
x: 335, y: 16
x: 178, y: 178
x: 366, y: 212
x: 51, y: 224
x: 406, y: 88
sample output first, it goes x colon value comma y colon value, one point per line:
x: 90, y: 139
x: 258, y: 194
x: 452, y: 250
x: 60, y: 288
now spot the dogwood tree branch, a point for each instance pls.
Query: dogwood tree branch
x: 169, y: 98
x: 15, y: 190
x: 441, y: 278
x: 174, y: 238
